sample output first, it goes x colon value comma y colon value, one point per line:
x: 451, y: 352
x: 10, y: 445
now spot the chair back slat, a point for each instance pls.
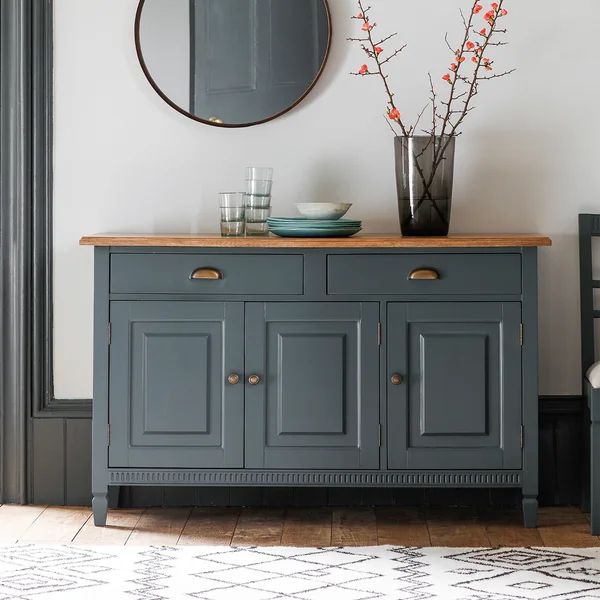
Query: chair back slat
x: 589, y: 227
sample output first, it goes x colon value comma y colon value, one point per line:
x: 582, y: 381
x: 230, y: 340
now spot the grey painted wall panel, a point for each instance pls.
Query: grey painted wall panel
x: 48, y: 461
x: 25, y: 229
x: 78, y: 461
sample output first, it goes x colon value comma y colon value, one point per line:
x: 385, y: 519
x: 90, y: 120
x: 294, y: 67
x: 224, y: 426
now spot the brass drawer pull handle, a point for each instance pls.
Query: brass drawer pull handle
x: 254, y: 380
x: 424, y: 275
x: 206, y: 273
x: 396, y: 379
x: 233, y: 379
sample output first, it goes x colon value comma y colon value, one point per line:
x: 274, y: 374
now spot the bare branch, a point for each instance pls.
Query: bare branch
x: 387, y: 120
x: 391, y: 56
x: 374, y: 54
x: 495, y: 75
x: 448, y: 43
x: 414, y: 127
x: 385, y: 39
x: 433, y: 107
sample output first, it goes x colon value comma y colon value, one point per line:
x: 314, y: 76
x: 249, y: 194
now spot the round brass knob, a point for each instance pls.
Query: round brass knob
x: 396, y: 379
x: 234, y: 379
x: 254, y: 380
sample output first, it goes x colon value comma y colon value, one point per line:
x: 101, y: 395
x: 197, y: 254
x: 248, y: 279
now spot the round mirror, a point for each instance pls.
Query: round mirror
x: 232, y: 63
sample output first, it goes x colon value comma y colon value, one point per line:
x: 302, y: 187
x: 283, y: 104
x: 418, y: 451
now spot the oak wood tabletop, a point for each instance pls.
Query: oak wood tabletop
x: 487, y: 240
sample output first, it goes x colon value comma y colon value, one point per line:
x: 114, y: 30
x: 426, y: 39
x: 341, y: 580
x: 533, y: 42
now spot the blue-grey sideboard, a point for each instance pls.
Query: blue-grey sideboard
x: 367, y: 361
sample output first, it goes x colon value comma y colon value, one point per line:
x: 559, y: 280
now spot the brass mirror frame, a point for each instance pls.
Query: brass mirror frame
x: 179, y: 109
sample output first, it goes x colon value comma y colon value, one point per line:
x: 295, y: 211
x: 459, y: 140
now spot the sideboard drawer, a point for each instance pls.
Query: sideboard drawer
x: 217, y: 274
x: 450, y: 274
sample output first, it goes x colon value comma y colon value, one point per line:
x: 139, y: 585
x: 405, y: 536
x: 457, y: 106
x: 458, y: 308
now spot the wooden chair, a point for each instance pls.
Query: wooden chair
x: 589, y: 227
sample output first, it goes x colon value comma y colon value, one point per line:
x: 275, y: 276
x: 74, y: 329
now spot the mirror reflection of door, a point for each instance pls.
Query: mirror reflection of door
x: 251, y: 59
x: 237, y: 62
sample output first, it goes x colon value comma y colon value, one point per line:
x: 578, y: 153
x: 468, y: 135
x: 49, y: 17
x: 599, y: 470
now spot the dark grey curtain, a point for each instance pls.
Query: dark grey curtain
x: 25, y: 229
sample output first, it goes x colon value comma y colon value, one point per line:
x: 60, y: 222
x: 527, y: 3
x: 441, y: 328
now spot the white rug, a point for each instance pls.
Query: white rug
x: 34, y: 572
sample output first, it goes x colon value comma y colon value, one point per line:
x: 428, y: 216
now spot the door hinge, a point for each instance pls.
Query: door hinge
x: 379, y: 334
x: 109, y: 333
x: 108, y: 435
x: 522, y: 437
x: 379, y: 435
x: 521, y: 334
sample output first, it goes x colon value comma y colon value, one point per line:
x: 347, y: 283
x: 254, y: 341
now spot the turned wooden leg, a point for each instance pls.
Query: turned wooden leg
x: 100, y: 507
x: 530, y: 511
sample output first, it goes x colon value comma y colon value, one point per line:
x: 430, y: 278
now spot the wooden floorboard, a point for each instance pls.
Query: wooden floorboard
x: 15, y: 520
x: 57, y: 525
x: 402, y: 527
x: 566, y: 528
x: 459, y: 528
x: 159, y: 527
x: 119, y: 526
x: 354, y: 527
x: 308, y: 527
x: 210, y: 527
x: 259, y: 527
x: 505, y: 528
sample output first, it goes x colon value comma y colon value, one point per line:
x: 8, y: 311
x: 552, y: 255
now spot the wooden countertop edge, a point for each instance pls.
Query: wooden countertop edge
x: 359, y: 241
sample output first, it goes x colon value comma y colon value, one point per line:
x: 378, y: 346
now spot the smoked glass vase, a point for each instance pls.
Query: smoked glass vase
x: 424, y: 178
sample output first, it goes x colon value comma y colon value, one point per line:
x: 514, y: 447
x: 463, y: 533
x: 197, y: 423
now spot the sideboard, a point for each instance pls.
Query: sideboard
x: 367, y: 361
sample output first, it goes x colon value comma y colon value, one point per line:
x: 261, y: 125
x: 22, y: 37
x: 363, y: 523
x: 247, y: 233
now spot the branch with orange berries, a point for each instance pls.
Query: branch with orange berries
x: 374, y: 51
x: 481, y: 33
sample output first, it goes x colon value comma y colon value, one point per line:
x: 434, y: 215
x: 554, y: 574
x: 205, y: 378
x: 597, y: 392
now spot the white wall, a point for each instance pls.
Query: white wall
x: 528, y: 160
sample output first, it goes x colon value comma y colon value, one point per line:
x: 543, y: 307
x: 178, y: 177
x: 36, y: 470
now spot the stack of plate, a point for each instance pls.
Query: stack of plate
x: 303, y: 227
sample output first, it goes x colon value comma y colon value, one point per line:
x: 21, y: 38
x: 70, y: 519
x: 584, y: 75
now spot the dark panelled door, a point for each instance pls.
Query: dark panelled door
x: 459, y: 406
x: 316, y: 405
x: 170, y: 403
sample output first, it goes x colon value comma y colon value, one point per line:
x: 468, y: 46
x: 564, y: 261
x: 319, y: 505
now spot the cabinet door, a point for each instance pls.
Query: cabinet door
x: 317, y: 403
x: 170, y: 402
x: 459, y: 405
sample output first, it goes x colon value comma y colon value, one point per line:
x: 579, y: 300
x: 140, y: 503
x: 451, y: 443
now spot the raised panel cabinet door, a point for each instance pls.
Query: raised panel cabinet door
x: 457, y: 404
x: 171, y: 404
x: 315, y: 402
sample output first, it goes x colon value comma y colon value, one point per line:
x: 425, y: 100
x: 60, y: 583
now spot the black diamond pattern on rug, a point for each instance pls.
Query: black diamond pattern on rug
x: 38, y: 572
